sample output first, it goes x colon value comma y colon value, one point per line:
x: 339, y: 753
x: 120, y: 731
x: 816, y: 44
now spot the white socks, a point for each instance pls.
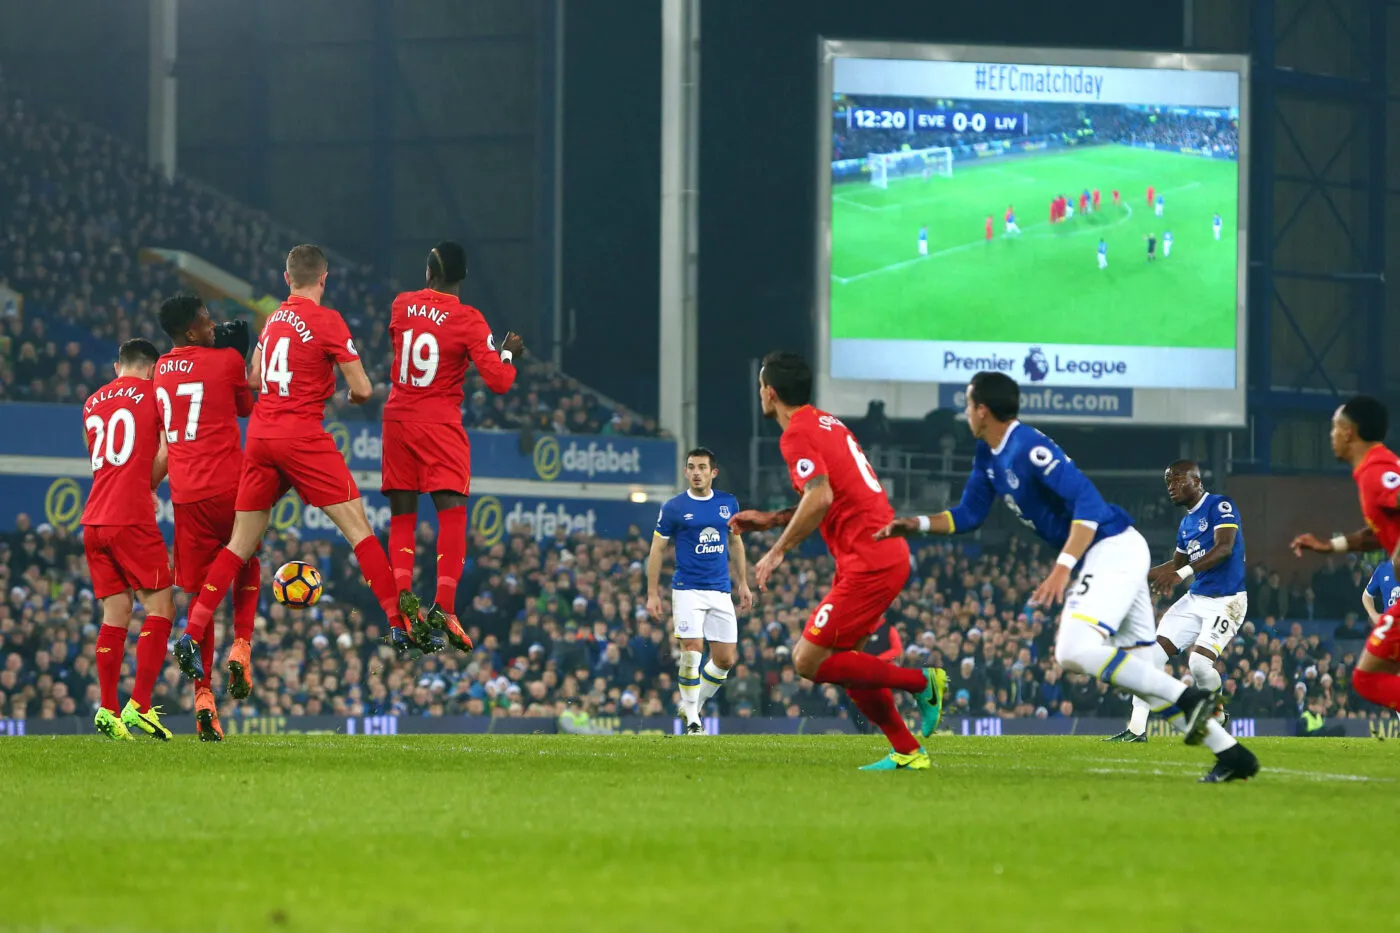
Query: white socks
x: 711, y: 679
x: 688, y: 676
x: 1203, y: 672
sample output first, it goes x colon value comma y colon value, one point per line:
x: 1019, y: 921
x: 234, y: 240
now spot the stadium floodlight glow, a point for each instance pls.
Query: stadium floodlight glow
x: 1073, y: 218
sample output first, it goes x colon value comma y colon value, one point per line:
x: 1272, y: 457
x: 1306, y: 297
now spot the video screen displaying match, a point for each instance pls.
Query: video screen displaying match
x: 1070, y: 225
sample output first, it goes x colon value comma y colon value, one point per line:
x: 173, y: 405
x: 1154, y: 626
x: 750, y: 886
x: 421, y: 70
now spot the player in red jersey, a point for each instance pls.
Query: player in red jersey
x: 1358, y: 429
x: 125, y: 552
x: 203, y: 390
x: 1117, y: 199
x: 1096, y: 200
x: 987, y: 228
x: 301, y: 345
x: 1150, y: 192
x: 841, y: 494
x: 436, y: 339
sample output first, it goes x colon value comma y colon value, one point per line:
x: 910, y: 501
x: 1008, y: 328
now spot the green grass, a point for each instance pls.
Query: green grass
x: 652, y: 833
x: 1044, y: 286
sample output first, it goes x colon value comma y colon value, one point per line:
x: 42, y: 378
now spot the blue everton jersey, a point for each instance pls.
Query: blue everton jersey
x: 1039, y: 484
x: 1197, y: 535
x: 700, y: 528
x: 1383, y: 588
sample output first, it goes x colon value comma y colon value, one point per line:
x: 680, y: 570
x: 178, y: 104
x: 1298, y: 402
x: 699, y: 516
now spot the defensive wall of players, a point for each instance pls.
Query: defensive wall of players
x: 595, y: 485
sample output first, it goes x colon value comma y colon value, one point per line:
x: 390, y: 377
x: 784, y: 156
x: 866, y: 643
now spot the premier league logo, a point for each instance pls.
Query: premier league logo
x: 724, y: 512
x: 1036, y: 366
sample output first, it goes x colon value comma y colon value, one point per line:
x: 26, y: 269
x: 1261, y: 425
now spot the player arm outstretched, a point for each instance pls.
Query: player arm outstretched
x: 757, y: 520
x: 968, y: 515
x: 1363, y: 539
x: 739, y: 572
x: 816, y: 501
x: 654, y: 559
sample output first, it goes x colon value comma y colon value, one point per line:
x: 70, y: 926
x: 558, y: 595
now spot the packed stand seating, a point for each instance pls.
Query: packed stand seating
x: 561, y: 627
x: 77, y: 207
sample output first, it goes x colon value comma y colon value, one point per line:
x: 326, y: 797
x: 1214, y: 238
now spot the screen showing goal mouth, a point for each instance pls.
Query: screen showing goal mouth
x: 1069, y: 225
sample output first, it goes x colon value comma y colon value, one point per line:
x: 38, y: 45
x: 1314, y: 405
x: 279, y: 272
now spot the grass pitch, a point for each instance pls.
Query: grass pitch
x: 1045, y: 285
x: 652, y: 833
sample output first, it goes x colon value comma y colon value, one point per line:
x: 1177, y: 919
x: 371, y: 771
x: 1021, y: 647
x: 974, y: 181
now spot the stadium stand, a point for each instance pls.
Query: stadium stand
x: 80, y: 217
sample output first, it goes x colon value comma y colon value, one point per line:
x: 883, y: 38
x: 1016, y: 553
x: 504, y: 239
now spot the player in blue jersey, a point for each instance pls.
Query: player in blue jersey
x: 1160, y: 204
x: 1382, y: 592
x: 1215, y: 225
x: 702, y: 606
x: 1166, y: 244
x: 1103, y: 254
x: 1107, y: 607
x: 923, y: 241
x: 1210, y: 555
x: 1011, y: 222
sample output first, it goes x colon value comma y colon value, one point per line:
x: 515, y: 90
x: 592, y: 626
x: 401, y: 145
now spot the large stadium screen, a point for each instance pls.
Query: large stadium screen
x: 1071, y: 218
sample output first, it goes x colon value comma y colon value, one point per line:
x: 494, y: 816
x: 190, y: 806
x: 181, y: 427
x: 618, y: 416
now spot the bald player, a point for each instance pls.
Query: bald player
x: 1210, y: 558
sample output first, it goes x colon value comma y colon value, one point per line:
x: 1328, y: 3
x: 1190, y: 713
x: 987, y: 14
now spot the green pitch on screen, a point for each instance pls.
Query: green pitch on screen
x: 1045, y: 285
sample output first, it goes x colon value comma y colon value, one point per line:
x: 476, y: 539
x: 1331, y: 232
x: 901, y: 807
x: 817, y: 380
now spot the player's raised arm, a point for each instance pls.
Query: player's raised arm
x: 1363, y: 539
x: 496, y: 366
x: 968, y: 515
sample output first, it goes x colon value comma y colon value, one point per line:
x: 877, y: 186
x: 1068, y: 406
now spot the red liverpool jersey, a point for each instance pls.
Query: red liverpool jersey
x: 202, y: 393
x: 122, y: 425
x: 301, y: 344
x: 436, y: 338
x: 818, y: 444
x: 1378, y: 483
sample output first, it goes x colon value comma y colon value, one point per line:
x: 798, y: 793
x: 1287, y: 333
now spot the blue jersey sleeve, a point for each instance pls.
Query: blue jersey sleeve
x: 1224, y: 514
x: 666, y: 521
x: 1377, y: 585
x: 1058, y: 473
x: 971, y: 511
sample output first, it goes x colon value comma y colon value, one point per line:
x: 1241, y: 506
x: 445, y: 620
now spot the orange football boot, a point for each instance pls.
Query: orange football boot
x: 206, y: 716
x: 240, y: 669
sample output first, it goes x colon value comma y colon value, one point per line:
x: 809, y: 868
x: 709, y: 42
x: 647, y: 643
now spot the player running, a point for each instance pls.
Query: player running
x: 923, y: 241
x: 1381, y: 591
x: 1011, y: 227
x: 1108, y: 609
x: 841, y: 494
x: 436, y: 339
x: 1215, y: 225
x: 1209, y: 554
x: 1103, y: 254
x: 1358, y: 429
x: 707, y: 555
x: 301, y: 345
x: 202, y: 388
x: 125, y: 552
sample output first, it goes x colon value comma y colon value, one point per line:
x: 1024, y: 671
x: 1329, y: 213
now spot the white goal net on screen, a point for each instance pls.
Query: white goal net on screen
x: 884, y: 166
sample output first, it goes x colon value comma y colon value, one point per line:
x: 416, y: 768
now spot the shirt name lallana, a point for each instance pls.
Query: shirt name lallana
x: 436, y: 315
x: 105, y: 395
x: 291, y: 317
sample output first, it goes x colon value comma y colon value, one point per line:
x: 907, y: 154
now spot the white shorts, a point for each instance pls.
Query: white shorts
x: 1110, y: 592
x: 1103, y: 261
x: 1167, y: 248
x: 1159, y: 210
x: 923, y: 247
x: 1209, y: 621
x: 705, y: 614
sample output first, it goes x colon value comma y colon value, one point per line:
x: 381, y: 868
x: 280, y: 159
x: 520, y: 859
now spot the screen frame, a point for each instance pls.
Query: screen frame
x: 1219, y: 408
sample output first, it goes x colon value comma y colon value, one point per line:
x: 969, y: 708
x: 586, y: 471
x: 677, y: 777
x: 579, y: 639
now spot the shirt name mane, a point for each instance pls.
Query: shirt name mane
x: 436, y: 315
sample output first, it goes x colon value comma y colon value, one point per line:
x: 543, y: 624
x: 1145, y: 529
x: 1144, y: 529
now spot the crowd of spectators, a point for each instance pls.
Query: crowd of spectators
x: 561, y: 628
x: 76, y: 209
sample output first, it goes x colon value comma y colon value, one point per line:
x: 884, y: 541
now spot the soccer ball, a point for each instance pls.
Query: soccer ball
x: 297, y: 585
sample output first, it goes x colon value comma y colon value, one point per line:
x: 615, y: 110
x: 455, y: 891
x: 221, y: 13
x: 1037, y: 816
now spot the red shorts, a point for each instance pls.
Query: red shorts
x: 201, y: 529
x: 311, y: 465
x: 424, y: 457
x: 855, y: 607
x: 1384, y: 642
x: 125, y: 557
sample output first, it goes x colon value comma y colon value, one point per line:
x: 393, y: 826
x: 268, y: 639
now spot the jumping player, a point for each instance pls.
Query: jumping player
x: 1108, y: 609
x: 1358, y: 430
x: 1103, y: 254
x: 708, y: 554
x: 125, y: 552
x: 841, y: 494
x: 436, y: 339
x: 923, y: 241
x: 1011, y: 222
x: 1381, y: 591
x: 203, y: 390
x: 301, y: 345
x: 1209, y: 554
x: 1215, y: 225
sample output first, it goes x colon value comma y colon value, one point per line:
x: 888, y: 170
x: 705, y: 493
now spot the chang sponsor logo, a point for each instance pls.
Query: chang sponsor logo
x: 711, y: 542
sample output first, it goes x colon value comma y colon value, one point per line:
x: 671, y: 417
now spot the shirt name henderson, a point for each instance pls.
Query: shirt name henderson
x: 1048, y: 79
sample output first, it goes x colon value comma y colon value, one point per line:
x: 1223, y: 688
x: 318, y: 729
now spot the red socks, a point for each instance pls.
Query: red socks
x: 860, y: 671
x: 1381, y: 689
x: 111, y: 650
x: 374, y: 564
x: 150, y: 658
x: 245, y: 600
x: 206, y: 657
x: 878, y: 707
x: 401, y: 553
x: 451, y: 555
x: 227, y: 566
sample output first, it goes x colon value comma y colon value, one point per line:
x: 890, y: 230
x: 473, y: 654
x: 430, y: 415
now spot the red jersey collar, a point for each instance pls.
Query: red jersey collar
x: 1378, y: 453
